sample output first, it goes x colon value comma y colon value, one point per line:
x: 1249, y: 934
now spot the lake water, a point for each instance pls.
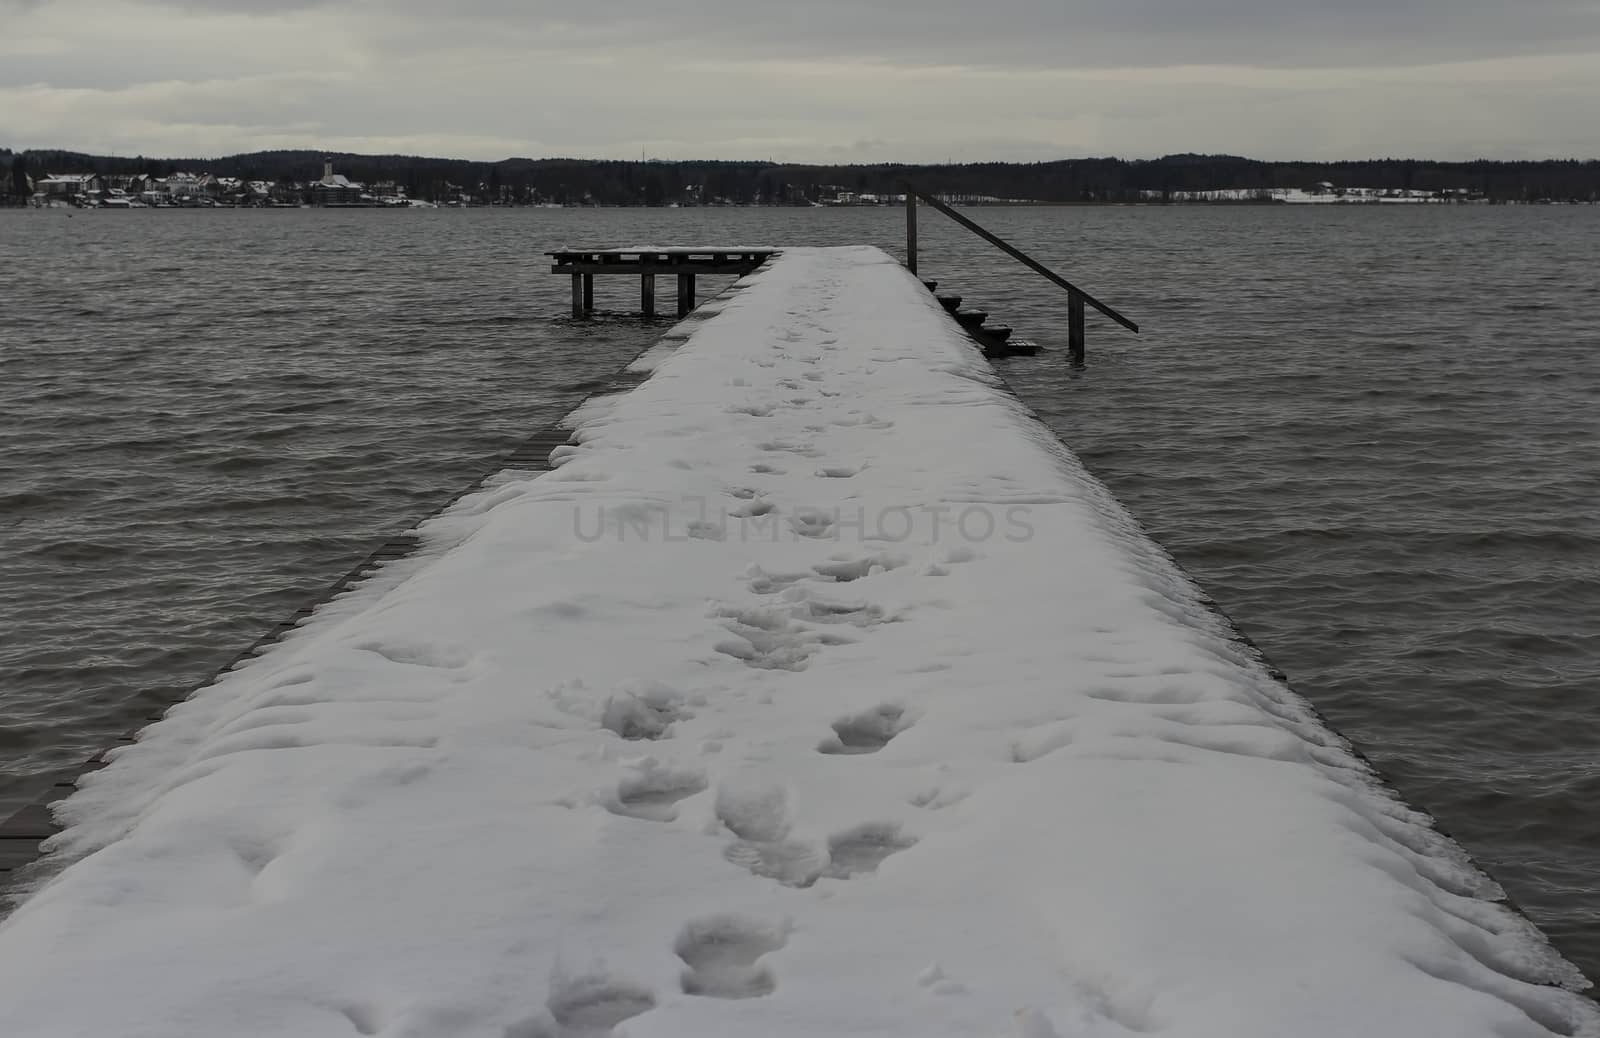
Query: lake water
x: 1373, y: 434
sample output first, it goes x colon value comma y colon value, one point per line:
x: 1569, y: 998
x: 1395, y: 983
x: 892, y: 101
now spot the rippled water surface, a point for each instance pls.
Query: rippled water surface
x: 1373, y: 434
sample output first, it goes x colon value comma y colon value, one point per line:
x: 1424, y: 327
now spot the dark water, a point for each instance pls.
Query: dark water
x: 1372, y: 434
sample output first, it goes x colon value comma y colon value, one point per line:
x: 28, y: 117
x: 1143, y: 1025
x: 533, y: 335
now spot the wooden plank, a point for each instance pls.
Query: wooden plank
x: 1023, y: 258
x: 730, y: 268
x: 673, y: 251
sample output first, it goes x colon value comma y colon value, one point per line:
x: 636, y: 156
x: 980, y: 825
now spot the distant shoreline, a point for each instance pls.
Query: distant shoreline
x: 294, y: 177
x: 6, y: 204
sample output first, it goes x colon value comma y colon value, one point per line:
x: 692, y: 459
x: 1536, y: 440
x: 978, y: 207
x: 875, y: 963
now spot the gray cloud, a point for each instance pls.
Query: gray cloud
x: 833, y: 80
x: 1048, y: 33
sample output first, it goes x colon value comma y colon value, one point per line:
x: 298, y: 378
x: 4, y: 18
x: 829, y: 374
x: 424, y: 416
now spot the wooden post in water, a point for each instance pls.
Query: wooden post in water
x: 911, y: 230
x: 685, y: 294
x: 577, y: 295
x: 588, y: 293
x: 1075, y: 328
x: 647, y: 294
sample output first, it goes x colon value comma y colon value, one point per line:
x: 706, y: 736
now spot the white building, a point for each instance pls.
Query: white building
x: 334, y: 188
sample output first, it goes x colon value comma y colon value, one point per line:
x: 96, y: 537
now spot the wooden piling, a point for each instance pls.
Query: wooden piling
x: 588, y: 293
x: 685, y: 294
x: 577, y: 295
x: 647, y: 294
x: 1075, y: 337
x: 911, y: 231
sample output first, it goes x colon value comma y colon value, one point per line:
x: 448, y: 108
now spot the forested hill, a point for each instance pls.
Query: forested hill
x: 657, y: 182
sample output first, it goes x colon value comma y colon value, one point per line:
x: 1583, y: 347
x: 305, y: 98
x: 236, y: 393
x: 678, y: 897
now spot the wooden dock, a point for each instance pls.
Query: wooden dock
x: 583, y: 265
x: 22, y: 832
x: 816, y: 660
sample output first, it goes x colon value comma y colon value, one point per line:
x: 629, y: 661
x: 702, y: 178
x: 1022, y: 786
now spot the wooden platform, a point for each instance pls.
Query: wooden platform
x: 646, y: 262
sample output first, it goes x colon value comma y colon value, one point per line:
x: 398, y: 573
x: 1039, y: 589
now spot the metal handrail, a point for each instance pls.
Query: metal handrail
x: 1076, y: 297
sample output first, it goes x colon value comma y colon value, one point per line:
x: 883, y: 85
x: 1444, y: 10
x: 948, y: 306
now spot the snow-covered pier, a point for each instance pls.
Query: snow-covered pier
x: 817, y: 690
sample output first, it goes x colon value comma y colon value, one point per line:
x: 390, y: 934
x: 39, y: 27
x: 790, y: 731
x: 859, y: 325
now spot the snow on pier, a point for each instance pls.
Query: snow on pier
x: 818, y: 691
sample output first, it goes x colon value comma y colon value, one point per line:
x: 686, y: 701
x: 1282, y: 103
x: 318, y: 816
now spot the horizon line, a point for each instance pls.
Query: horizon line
x: 1215, y: 156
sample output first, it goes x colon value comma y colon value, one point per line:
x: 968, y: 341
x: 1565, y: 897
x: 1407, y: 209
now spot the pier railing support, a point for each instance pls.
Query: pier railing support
x: 911, y: 230
x: 1077, y: 298
x: 1075, y: 337
x: 647, y: 294
x: 577, y: 295
x: 588, y: 293
x: 685, y: 294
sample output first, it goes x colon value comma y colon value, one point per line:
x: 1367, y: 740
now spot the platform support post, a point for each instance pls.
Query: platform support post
x: 1075, y: 328
x: 911, y: 230
x: 577, y: 295
x: 685, y: 294
x: 588, y: 293
x: 647, y: 294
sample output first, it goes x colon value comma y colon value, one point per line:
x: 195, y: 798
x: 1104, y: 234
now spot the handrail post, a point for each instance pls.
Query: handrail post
x: 1075, y: 334
x: 911, y: 230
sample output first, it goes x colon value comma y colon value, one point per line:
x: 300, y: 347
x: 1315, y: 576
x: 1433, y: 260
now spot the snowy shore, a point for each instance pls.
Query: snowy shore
x: 819, y: 691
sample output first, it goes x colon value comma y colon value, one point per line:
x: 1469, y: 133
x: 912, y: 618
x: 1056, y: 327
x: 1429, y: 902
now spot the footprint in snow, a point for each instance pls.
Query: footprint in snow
x: 936, y: 798
x: 786, y: 447
x: 645, y: 714
x: 700, y: 530
x: 763, y: 582
x: 651, y: 790
x: 862, y: 849
x: 866, y: 732
x: 756, y: 811
x: 811, y: 523
x: 846, y: 568
x: 591, y: 1006
x: 791, y: 863
x: 722, y: 957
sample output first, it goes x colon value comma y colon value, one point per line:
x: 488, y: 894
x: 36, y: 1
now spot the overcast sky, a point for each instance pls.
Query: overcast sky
x: 806, y: 80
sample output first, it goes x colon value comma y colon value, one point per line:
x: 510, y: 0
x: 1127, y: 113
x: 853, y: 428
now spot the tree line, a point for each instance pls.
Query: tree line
x: 613, y: 182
